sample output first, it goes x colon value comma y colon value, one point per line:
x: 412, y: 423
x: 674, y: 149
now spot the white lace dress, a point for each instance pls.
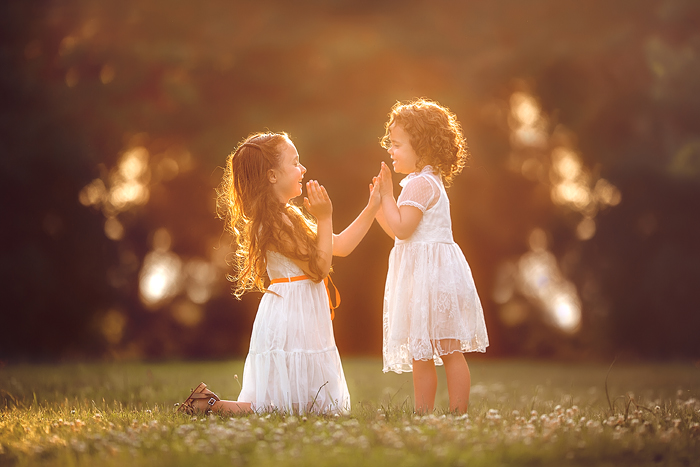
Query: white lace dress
x: 293, y: 363
x: 431, y: 306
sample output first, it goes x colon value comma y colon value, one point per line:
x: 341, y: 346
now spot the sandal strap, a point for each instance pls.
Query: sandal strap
x: 203, y: 395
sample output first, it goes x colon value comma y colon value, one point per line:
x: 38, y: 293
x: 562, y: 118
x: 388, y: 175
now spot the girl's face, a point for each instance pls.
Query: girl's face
x: 402, y: 154
x: 287, y: 176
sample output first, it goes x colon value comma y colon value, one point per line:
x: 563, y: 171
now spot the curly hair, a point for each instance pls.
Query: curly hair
x: 257, y: 220
x: 435, y: 135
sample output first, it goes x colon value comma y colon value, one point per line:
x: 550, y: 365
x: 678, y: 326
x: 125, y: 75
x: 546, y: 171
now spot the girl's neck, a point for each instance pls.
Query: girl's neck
x: 425, y: 168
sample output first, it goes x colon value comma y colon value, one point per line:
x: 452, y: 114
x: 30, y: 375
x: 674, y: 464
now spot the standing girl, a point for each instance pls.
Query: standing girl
x: 293, y: 364
x: 432, y: 312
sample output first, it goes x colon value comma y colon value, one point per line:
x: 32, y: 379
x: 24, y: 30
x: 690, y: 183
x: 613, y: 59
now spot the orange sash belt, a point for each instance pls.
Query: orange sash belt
x: 326, y: 281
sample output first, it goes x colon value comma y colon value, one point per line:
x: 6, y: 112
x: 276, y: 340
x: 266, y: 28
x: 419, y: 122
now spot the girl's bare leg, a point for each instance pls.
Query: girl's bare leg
x: 424, y: 385
x: 231, y: 407
x: 458, y: 381
x: 224, y: 407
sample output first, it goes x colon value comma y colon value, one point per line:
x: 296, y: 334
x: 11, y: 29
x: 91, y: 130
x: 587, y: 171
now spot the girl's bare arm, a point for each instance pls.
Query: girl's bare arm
x: 318, y: 203
x: 346, y: 241
x: 402, y: 221
x: 385, y: 226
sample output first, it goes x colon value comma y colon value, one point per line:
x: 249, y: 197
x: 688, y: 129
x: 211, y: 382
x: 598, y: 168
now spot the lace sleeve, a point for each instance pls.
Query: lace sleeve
x: 419, y: 192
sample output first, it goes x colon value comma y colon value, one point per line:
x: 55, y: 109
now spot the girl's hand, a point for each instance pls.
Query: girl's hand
x: 386, y: 185
x: 375, y: 198
x: 317, y: 202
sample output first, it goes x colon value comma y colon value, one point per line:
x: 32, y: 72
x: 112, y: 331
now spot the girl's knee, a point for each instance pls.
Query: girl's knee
x: 453, y: 356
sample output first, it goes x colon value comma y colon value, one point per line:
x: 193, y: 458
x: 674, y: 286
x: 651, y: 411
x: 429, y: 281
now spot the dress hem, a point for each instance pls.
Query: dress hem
x: 295, y: 351
x: 400, y: 370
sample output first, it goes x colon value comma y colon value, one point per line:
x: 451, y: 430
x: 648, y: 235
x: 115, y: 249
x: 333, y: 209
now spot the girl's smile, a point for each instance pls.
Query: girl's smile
x: 404, y: 158
x: 288, y: 175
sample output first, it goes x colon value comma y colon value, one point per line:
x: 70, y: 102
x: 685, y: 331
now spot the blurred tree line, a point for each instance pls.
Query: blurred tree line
x: 117, y: 116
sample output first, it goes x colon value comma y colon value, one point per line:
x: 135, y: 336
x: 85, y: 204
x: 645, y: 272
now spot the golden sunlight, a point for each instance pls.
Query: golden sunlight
x: 570, y: 183
x: 129, y: 181
x: 566, y: 163
x: 537, y: 279
x: 504, y: 287
x: 585, y: 230
x: 541, y: 281
x: 134, y: 163
x: 167, y: 168
x: 566, y: 310
x: 527, y: 124
x: 201, y: 276
x: 162, y: 240
x: 607, y: 193
x: 93, y: 193
x: 128, y: 184
x: 159, y: 279
x: 114, y: 229
x: 524, y: 108
x: 186, y: 313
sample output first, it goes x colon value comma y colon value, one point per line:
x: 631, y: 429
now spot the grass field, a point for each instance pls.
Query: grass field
x: 521, y: 413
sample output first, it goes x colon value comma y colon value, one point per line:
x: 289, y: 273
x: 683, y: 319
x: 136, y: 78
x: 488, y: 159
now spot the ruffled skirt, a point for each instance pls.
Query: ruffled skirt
x: 293, y: 363
x: 431, y: 306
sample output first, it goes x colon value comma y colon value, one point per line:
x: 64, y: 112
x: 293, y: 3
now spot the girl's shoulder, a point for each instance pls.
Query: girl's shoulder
x: 420, y: 189
x: 426, y: 179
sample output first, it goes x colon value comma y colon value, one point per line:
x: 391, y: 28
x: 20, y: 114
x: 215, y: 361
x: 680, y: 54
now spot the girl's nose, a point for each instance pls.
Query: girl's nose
x: 303, y: 169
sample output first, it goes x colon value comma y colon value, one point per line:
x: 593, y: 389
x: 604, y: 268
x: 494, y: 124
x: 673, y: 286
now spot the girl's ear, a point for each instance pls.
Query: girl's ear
x: 271, y: 176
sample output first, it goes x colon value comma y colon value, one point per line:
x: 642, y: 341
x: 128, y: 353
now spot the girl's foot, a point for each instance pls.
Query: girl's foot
x: 200, y: 401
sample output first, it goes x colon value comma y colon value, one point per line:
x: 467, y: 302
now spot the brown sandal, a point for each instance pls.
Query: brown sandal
x: 200, y: 392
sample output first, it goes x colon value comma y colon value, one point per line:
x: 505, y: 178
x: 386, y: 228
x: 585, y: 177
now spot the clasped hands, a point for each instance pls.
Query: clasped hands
x: 382, y: 186
x: 319, y: 204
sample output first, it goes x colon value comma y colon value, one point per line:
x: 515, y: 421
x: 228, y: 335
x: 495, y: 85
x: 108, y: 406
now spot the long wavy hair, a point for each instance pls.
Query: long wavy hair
x: 435, y: 135
x: 258, y: 221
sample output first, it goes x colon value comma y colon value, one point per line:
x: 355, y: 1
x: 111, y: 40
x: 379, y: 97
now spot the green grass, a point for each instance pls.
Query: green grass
x: 521, y: 413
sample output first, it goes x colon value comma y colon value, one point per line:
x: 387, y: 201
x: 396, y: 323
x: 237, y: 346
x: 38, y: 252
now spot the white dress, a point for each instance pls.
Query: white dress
x: 431, y: 307
x: 293, y: 364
